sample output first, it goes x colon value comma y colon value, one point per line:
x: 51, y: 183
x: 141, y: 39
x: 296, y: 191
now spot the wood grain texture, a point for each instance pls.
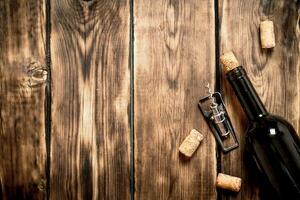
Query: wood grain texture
x: 90, y: 99
x: 22, y: 95
x: 275, y: 73
x: 174, y: 56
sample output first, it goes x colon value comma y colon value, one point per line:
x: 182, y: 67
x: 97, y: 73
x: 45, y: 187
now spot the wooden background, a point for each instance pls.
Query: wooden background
x: 96, y: 96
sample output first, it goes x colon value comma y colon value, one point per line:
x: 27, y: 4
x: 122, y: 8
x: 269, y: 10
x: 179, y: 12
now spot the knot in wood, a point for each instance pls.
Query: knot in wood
x: 22, y: 78
x: 42, y: 185
x: 37, y: 74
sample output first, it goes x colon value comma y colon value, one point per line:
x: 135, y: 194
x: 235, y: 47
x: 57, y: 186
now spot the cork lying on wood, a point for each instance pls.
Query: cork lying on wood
x: 267, y: 35
x: 228, y: 182
x: 229, y: 61
x: 191, y: 143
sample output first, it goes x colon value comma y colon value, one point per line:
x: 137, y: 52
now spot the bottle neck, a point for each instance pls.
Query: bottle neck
x: 246, y: 94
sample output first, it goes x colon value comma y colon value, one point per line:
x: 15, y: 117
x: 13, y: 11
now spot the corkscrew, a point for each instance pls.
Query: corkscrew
x: 216, y: 115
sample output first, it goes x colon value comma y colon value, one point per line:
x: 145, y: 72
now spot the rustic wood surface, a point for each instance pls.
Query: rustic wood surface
x: 124, y: 80
x: 275, y: 73
x: 90, y: 100
x: 174, y: 58
x: 22, y: 95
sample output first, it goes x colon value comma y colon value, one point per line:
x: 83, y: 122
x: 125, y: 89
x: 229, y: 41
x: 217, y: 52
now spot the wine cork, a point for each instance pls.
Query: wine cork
x: 228, y: 182
x: 191, y: 143
x: 229, y: 61
x: 267, y: 36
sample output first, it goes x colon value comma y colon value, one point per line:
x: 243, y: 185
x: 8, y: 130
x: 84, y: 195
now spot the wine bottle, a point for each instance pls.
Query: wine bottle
x: 272, y: 141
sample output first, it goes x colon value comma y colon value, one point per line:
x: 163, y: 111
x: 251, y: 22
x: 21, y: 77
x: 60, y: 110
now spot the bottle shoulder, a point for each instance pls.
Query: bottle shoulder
x: 269, y: 120
x: 270, y: 126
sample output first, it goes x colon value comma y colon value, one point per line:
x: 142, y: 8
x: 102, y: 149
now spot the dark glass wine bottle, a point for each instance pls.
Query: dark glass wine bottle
x: 272, y: 141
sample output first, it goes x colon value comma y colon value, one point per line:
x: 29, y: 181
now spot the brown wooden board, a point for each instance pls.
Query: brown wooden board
x: 167, y: 56
x: 90, y: 154
x: 22, y: 96
x: 174, y: 57
x: 275, y: 74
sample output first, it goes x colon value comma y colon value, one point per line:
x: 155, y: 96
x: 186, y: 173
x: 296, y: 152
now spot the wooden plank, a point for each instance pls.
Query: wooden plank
x: 90, y: 155
x: 174, y: 56
x: 22, y: 96
x: 274, y: 73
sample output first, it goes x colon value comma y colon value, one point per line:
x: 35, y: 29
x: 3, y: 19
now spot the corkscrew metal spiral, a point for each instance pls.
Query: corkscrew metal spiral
x: 213, y: 101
